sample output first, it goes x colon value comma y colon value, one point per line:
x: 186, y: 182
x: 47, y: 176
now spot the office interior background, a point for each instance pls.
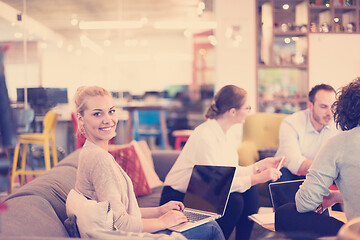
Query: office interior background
x: 139, y: 46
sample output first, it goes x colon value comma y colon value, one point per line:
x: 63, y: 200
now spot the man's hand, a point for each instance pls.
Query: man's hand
x: 304, y: 167
x: 328, y: 201
x: 333, y: 198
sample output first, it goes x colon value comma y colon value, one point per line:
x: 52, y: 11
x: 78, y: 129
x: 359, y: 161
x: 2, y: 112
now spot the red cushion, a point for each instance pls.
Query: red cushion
x: 127, y: 158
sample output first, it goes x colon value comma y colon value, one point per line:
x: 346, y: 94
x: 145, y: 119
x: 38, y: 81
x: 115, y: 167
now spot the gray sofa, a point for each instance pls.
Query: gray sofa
x: 38, y: 208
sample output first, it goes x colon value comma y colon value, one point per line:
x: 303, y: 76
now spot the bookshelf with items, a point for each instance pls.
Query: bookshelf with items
x: 283, y: 27
x: 334, y: 16
x: 282, y: 76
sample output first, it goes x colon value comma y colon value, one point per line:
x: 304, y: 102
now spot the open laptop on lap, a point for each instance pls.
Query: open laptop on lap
x: 284, y: 192
x: 206, y: 195
x: 280, y: 194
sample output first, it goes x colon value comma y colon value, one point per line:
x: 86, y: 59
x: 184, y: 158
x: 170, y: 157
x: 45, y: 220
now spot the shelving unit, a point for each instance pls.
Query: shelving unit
x: 282, y: 36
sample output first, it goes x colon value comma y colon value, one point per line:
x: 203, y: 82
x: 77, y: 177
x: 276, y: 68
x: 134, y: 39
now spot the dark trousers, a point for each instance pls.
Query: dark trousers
x: 289, y: 220
x: 239, y: 207
x: 288, y: 176
x: 7, y: 127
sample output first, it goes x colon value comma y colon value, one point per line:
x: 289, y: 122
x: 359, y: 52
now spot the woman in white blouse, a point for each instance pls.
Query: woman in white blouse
x: 209, y: 145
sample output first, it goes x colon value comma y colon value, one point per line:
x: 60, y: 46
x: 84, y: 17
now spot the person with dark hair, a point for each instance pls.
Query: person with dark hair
x: 209, y: 145
x: 337, y: 161
x: 303, y: 133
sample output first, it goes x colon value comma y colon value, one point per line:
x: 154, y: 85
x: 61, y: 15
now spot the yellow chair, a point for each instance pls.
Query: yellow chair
x: 260, y: 132
x: 48, y: 135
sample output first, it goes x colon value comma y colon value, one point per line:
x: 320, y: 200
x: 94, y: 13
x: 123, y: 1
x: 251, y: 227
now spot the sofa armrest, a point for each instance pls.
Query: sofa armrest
x: 163, y: 161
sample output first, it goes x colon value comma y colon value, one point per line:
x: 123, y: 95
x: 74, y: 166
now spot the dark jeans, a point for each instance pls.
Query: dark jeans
x: 289, y: 220
x: 239, y: 207
x: 288, y: 176
x: 207, y: 231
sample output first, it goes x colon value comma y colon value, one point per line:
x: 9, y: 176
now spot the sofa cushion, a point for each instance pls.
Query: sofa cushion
x: 151, y: 200
x: 30, y: 216
x: 70, y: 160
x: 127, y: 158
x: 53, y: 186
x: 90, y: 214
x: 143, y: 151
x: 163, y: 161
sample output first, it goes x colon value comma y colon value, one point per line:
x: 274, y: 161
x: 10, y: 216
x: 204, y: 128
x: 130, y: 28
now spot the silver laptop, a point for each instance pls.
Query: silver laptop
x: 206, y: 195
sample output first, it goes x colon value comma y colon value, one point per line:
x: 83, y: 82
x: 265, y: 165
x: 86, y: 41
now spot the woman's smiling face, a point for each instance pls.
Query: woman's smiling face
x: 99, y: 119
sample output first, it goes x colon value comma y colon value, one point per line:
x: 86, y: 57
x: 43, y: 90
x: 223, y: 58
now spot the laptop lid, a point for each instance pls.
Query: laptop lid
x: 209, y: 188
x: 283, y: 192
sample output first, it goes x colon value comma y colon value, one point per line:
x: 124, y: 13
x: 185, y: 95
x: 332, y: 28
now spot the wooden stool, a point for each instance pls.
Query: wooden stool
x: 48, y: 135
x: 180, y: 137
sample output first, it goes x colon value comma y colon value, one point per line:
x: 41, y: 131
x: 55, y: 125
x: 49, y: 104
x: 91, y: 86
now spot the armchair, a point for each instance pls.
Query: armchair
x: 261, y: 132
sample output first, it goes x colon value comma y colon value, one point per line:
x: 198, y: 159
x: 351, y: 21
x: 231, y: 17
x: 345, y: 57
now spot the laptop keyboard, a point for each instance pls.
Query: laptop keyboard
x: 194, y: 217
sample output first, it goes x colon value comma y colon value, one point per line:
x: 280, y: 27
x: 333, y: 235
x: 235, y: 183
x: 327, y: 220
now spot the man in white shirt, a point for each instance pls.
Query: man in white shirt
x: 302, y: 134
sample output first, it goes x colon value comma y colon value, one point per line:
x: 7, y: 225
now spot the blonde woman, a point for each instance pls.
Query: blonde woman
x: 100, y: 178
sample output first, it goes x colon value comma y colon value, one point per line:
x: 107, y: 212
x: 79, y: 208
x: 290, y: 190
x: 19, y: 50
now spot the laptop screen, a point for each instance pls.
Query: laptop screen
x: 283, y: 192
x: 209, y: 188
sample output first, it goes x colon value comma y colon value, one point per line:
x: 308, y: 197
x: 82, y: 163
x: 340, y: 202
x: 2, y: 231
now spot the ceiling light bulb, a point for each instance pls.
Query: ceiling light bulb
x: 74, y: 22
x: 201, y: 5
x: 18, y: 35
x: 287, y: 40
x: 202, y: 51
x: 187, y: 33
x: 212, y: 40
x: 285, y: 6
x: 336, y: 19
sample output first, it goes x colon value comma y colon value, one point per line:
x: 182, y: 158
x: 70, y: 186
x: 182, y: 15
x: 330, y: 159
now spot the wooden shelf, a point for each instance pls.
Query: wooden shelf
x: 299, y: 66
x: 279, y: 22
x: 290, y: 33
x: 278, y: 45
x: 283, y: 99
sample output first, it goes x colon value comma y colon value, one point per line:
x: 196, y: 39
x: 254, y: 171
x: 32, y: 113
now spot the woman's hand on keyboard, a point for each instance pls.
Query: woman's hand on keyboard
x: 173, y: 218
x: 172, y: 205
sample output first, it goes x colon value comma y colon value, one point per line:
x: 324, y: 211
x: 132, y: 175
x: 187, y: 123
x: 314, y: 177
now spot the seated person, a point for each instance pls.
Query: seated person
x: 101, y: 179
x: 303, y: 133
x: 209, y: 145
x: 338, y: 160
